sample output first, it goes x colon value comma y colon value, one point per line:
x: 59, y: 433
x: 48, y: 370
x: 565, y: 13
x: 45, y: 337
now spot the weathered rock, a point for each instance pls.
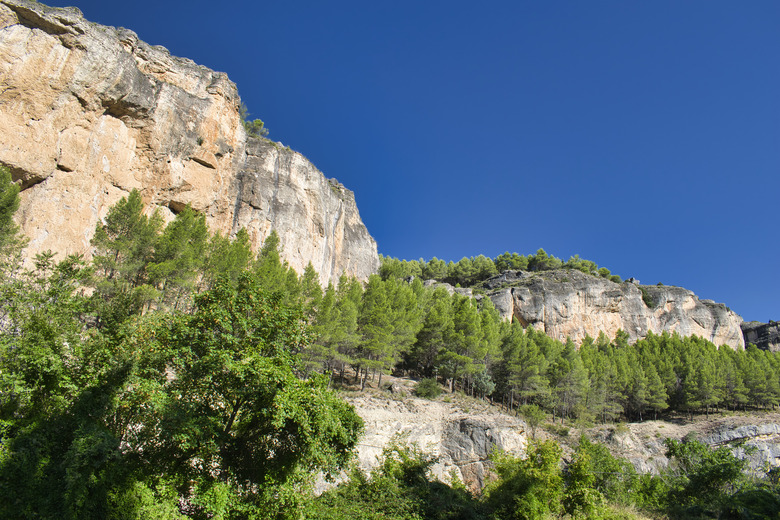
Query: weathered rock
x: 752, y: 437
x: 396, y: 388
x: 461, y: 441
x: 88, y: 113
x: 765, y: 336
x: 569, y: 303
x: 463, y: 291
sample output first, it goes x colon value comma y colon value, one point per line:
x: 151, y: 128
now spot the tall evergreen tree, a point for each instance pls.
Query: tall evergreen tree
x: 178, y: 259
x: 11, y: 241
x: 124, y: 246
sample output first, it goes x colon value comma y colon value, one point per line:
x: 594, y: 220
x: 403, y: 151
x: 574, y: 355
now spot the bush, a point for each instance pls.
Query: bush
x: 428, y: 388
x: 647, y: 298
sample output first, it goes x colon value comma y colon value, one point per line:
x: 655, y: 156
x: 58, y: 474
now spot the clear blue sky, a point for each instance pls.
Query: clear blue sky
x: 642, y: 135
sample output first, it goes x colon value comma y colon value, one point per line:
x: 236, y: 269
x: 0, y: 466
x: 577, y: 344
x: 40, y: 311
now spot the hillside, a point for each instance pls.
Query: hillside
x: 195, y: 323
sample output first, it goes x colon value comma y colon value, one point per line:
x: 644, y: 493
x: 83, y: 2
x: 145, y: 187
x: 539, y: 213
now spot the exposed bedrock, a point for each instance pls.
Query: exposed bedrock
x: 569, y: 303
x: 89, y: 113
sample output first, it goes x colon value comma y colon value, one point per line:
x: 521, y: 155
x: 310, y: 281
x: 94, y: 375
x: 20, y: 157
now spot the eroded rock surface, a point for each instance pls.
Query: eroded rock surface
x: 569, y: 303
x: 755, y: 437
x: 88, y: 113
x: 765, y: 336
x: 462, y: 441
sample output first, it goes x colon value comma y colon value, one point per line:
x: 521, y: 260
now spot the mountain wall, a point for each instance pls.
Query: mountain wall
x: 765, y: 336
x: 89, y: 113
x: 569, y: 303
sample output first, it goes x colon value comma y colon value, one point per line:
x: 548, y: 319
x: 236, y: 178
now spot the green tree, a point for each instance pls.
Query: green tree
x: 178, y: 258
x: 534, y: 416
x: 55, y: 461
x: 11, y: 241
x: 236, y: 415
x: 657, y: 398
x: 463, y: 273
x: 435, y: 269
x: 202, y: 411
x: 254, y: 128
x: 226, y: 258
x: 703, y: 480
x: 569, y: 380
x: 530, y: 488
x: 434, y: 334
x: 123, y: 248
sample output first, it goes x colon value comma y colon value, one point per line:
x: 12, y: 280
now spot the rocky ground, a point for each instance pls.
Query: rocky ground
x: 461, y: 432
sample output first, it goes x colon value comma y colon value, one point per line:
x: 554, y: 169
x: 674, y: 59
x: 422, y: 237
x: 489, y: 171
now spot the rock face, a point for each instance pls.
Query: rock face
x: 88, y: 113
x: 765, y: 336
x: 462, y: 441
x: 569, y: 303
x: 753, y: 437
x: 463, y: 291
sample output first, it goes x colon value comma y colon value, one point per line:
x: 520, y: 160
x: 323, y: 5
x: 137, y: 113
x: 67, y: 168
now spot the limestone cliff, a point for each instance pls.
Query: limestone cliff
x: 568, y: 303
x: 88, y: 113
x: 461, y: 440
x: 765, y: 336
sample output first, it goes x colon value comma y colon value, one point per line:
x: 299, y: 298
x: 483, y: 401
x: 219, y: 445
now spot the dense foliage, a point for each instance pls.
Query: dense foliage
x: 178, y: 375
x: 202, y: 411
x: 700, y: 483
x: 470, y: 271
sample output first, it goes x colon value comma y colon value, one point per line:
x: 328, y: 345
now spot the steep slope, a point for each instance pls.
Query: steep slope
x: 88, y: 113
x: 568, y: 303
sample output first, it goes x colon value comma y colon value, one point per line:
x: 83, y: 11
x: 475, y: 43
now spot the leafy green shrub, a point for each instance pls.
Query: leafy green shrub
x: 428, y: 388
x: 401, y: 488
x: 254, y: 128
x: 527, y: 488
x: 647, y: 298
x: 559, y: 430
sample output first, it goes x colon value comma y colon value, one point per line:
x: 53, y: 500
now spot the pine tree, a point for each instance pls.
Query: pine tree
x: 376, y: 329
x: 11, y: 241
x: 178, y: 259
x: 434, y: 334
x: 226, y: 258
x: 124, y: 247
x: 657, y: 398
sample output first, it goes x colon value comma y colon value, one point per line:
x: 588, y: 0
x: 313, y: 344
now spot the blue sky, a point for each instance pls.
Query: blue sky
x: 642, y: 135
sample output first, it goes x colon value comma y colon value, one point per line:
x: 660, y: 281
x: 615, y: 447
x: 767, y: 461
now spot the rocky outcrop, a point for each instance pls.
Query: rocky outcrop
x: 462, y: 435
x: 569, y: 303
x: 765, y: 336
x: 752, y: 437
x: 463, y: 291
x: 89, y: 113
x: 461, y: 440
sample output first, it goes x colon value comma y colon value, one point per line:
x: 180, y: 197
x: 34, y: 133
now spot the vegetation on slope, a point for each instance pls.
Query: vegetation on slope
x: 699, y: 483
x: 471, y: 271
x: 179, y: 375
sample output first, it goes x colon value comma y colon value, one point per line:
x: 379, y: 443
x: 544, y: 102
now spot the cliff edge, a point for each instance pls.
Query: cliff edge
x: 89, y: 113
x: 568, y: 303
